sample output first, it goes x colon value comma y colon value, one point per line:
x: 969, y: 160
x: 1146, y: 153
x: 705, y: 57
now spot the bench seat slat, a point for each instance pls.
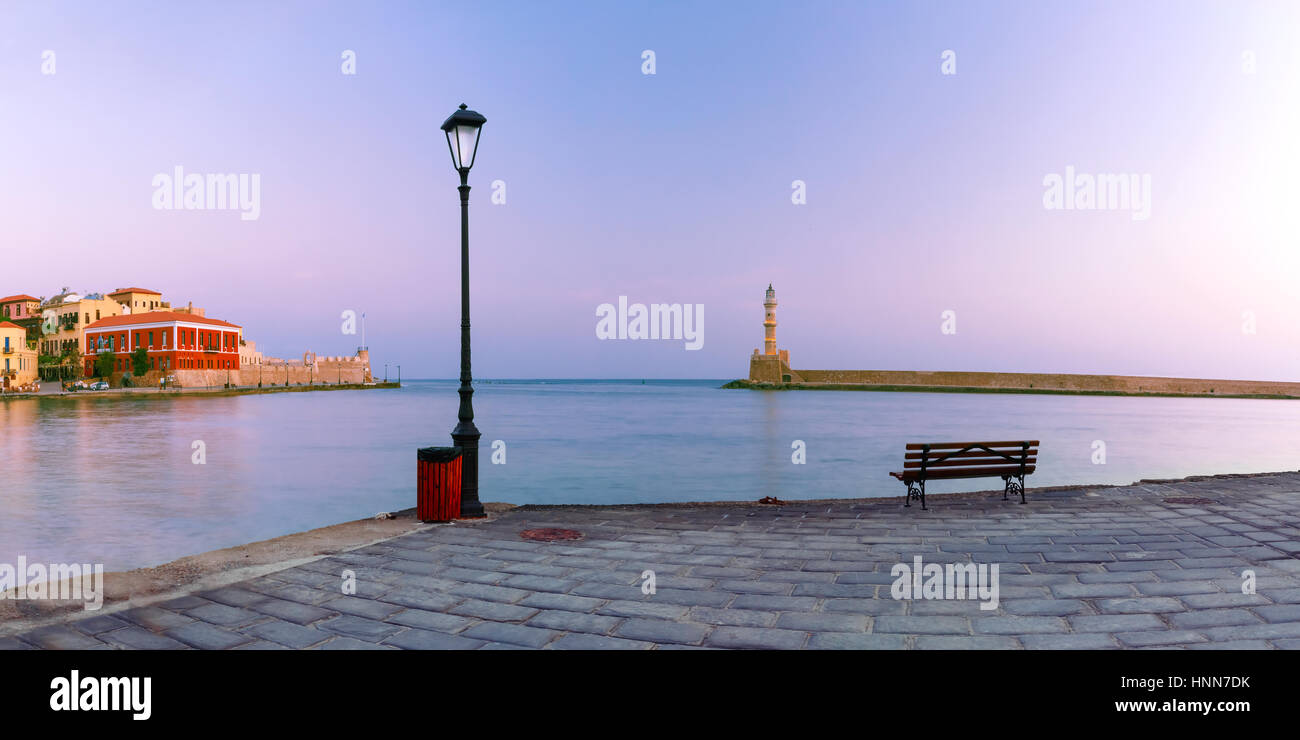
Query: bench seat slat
x: 934, y: 455
x: 991, y: 472
x: 968, y: 463
x: 959, y: 445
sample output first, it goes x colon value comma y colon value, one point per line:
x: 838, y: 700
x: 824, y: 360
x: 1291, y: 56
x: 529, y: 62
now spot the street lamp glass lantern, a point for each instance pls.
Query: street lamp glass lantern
x: 462, y: 129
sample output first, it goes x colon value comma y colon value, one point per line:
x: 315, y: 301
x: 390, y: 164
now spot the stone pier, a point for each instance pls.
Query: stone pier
x: 1148, y: 565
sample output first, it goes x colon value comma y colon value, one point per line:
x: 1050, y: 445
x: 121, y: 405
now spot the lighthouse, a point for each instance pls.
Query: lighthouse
x: 769, y: 322
x: 771, y: 365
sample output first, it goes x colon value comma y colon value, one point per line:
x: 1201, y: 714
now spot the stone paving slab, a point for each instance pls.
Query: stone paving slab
x: 1086, y: 568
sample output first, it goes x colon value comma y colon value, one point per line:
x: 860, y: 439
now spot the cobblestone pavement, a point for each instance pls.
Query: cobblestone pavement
x: 1097, y: 568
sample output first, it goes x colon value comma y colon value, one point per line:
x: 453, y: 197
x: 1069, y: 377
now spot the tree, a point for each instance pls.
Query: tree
x: 70, y: 363
x: 104, y: 365
x: 140, y: 361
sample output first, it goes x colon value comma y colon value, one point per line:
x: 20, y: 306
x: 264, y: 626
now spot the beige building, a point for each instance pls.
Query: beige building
x: 17, y: 361
x: 139, y: 300
x: 249, y: 355
x: 188, y: 308
x: 65, y: 316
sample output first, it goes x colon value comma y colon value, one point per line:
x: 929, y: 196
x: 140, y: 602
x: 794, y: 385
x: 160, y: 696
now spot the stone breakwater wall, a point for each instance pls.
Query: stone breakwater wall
x: 1043, y: 382
x: 325, y: 371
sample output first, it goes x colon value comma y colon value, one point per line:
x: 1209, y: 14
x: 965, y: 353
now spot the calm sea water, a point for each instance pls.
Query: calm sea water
x: 111, y: 480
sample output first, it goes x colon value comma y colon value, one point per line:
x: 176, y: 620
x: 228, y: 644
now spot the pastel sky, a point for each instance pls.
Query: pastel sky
x: 924, y: 190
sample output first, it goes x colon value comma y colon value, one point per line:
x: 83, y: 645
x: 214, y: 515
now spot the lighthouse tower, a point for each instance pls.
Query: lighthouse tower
x: 769, y: 323
x: 772, y: 365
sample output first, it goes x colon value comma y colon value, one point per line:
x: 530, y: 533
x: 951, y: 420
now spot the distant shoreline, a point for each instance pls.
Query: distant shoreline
x: 893, y: 388
x: 206, y: 392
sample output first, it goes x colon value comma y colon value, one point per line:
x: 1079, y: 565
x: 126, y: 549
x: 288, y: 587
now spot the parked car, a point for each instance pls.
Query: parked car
x: 99, y: 386
x: 75, y: 385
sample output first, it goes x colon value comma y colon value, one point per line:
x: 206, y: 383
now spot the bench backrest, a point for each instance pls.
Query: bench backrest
x: 972, y: 458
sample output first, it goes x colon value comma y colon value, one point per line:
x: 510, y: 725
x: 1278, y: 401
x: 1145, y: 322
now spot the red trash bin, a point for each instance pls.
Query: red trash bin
x: 438, y: 483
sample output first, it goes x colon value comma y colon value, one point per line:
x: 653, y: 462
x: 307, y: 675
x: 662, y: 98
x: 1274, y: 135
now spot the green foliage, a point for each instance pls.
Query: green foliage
x: 140, y: 361
x: 104, y: 365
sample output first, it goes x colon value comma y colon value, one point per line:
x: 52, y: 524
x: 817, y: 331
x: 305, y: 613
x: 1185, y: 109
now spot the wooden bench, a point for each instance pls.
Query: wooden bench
x: 1010, y: 461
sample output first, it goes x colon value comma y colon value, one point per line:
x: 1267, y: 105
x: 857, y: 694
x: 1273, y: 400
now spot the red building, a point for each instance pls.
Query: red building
x: 174, y: 341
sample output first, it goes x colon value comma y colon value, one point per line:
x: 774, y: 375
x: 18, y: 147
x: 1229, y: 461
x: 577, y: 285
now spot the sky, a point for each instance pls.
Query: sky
x: 924, y: 191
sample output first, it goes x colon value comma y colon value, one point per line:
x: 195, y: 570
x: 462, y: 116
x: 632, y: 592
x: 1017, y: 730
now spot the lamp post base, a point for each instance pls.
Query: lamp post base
x: 467, y: 440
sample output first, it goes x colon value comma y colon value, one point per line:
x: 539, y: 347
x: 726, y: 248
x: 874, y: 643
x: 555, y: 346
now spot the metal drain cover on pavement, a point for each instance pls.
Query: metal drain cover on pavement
x: 550, y: 534
x: 1190, y: 500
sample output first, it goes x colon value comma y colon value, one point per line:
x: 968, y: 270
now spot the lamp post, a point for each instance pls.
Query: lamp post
x: 462, y: 129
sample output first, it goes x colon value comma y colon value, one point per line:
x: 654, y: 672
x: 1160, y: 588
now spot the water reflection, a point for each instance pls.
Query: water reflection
x: 93, y: 479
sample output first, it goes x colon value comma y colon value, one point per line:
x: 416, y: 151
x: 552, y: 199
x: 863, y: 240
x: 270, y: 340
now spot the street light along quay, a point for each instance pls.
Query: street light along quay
x: 462, y: 129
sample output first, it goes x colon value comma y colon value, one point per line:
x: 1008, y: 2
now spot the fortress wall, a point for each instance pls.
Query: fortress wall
x: 1047, y: 381
x: 326, y: 371
x: 773, y: 369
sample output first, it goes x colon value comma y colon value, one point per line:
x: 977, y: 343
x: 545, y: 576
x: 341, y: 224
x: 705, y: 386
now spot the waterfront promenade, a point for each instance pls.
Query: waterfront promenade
x: 54, y: 390
x: 1151, y: 565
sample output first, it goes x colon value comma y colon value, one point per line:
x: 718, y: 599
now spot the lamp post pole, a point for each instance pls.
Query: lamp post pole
x: 466, y: 435
x: 462, y: 129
